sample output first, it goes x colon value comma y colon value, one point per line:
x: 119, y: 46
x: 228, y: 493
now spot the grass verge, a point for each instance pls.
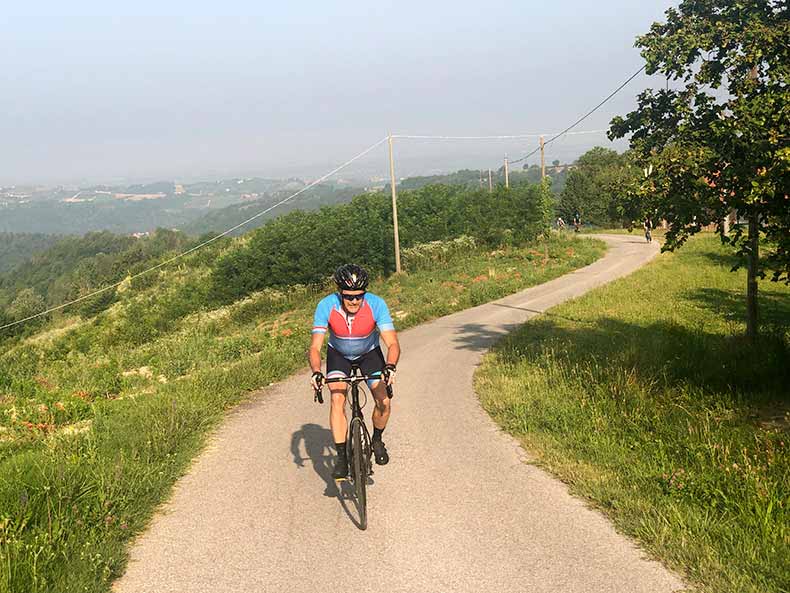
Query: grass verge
x: 644, y: 397
x: 99, y: 418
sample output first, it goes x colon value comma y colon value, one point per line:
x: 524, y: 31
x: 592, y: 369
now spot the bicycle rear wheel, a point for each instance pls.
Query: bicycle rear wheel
x: 359, y: 470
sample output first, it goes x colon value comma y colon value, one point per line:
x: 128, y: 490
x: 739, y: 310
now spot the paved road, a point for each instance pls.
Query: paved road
x: 457, y: 509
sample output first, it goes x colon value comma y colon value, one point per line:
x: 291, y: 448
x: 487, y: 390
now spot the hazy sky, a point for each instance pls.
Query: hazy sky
x: 175, y: 90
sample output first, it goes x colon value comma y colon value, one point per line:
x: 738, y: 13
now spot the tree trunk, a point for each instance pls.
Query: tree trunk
x: 751, y: 278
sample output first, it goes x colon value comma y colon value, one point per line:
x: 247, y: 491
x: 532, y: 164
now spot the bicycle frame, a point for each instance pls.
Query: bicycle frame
x: 357, y: 434
x: 356, y: 410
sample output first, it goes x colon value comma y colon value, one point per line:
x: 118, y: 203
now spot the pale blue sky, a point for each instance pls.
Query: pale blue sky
x: 176, y: 90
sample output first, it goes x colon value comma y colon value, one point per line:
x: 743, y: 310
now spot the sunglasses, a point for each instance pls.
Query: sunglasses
x: 352, y: 297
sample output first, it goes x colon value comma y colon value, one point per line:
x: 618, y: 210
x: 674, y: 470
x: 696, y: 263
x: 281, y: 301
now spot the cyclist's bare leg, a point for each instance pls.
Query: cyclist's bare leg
x: 381, y: 412
x: 337, y: 413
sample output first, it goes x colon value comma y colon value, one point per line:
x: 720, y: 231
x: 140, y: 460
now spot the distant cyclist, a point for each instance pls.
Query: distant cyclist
x: 647, y: 224
x: 560, y: 224
x: 577, y: 221
x: 355, y: 319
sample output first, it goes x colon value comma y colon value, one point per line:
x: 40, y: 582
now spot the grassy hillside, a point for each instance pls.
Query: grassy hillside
x: 74, y: 266
x: 645, y: 398
x: 103, y: 405
x: 99, y: 417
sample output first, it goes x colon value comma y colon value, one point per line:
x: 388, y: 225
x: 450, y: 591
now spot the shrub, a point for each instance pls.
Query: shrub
x: 304, y: 247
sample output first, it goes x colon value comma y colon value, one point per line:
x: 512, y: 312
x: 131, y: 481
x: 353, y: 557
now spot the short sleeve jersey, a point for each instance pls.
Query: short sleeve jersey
x: 352, y: 335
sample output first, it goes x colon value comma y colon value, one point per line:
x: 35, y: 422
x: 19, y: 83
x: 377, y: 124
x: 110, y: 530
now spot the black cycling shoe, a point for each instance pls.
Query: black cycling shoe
x: 380, y: 453
x: 340, y: 472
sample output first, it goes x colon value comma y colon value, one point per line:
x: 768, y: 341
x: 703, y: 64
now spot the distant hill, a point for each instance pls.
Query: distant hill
x: 228, y: 217
x: 116, y: 215
x: 130, y: 208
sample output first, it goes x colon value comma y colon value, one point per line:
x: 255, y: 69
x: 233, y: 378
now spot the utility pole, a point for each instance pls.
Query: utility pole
x: 542, y: 160
x: 481, y: 178
x: 490, y: 184
x: 394, y: 207
x: 507, y: 175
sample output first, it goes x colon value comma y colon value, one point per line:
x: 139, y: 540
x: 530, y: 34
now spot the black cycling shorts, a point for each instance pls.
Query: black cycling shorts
x: 371, y: 364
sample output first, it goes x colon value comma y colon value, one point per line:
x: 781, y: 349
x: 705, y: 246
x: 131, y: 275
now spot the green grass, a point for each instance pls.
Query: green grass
x: 645, y: 398
x: 99, y: 418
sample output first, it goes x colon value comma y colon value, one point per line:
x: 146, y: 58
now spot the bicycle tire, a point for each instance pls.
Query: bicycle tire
x: 359, y: 470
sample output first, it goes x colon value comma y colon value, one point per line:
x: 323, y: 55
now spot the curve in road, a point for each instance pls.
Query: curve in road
x: 457, y: 509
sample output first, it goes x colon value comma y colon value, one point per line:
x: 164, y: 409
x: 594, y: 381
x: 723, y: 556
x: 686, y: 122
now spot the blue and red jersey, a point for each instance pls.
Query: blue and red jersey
x: 352, y: 335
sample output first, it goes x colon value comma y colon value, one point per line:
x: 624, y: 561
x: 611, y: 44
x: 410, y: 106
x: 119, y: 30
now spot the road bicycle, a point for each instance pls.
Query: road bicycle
x: 358, y: 447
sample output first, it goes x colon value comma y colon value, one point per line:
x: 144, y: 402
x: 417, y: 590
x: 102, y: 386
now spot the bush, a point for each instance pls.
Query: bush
x: 93, y: 306
x: 304, y: 247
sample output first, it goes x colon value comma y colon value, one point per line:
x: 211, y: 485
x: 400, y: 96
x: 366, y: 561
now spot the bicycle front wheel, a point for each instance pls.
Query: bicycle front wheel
x: 359, y: 469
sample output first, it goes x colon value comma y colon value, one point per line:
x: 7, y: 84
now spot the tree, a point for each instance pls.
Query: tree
x: 719, y: 142
x: 27, y: 302
x: 595, y: 186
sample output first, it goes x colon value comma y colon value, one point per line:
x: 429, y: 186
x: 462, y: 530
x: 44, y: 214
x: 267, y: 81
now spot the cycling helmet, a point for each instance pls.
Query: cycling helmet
x: 351, y: 277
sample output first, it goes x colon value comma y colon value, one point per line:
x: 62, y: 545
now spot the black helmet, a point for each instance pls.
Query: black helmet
x: 351, y: 277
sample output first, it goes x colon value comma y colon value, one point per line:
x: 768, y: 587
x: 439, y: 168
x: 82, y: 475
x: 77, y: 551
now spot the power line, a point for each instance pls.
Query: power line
x: 503, y: 137
x: 585, y: 116
x: 201, y: 245
x: 425, y: 137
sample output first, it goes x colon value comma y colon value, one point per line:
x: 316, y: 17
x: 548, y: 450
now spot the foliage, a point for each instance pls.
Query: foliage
x: 95, y: 305
x: 718, y: 143
x: 16, y: 248
x: 28, y: 302
x: 595, y: 188
x: 472, y: 179
x: 75, y: 266
x: 304, y: 247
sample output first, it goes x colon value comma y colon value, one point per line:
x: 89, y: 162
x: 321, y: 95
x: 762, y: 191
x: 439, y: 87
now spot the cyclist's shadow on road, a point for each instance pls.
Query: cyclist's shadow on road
x: 320, y: 450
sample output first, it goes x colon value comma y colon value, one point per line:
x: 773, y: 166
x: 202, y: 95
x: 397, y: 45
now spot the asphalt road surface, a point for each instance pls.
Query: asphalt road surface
x: 457, y: 509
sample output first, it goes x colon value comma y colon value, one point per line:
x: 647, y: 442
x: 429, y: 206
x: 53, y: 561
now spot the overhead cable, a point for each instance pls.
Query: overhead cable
x: 586, y: 115
x: 506, y: 137
x: 201, y: 245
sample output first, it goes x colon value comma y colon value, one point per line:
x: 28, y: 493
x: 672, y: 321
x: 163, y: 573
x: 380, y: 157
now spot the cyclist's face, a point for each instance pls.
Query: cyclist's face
x: 352, y: 300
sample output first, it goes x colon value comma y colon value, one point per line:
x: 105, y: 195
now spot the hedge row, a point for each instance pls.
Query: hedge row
x: 305, y: 247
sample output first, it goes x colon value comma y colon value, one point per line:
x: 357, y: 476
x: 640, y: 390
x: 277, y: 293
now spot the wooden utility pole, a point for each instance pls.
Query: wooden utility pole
x: 394, y: 207
x: 490, y: 184
x: 507, y: 174
x: 542, y: 160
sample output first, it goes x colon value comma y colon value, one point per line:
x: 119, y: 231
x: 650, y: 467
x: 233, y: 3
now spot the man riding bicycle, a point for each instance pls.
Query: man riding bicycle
x: 355, y: 320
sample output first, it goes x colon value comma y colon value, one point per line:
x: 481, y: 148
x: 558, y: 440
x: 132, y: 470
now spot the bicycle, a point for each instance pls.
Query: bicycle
x: 358, y: 447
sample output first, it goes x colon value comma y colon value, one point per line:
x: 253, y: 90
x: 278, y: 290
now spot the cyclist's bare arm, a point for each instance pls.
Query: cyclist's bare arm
x: 390, y: 339
x: 314, y: 354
